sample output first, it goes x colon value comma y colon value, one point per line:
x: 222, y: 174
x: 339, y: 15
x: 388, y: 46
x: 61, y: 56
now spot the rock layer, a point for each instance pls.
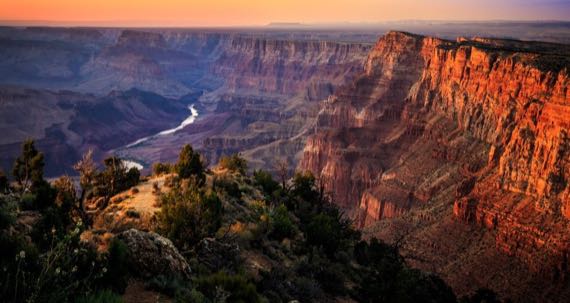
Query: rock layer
x: 489, y: 118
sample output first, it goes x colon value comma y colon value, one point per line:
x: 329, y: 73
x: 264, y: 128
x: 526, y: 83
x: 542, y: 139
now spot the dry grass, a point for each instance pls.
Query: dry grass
x: 133, y: 208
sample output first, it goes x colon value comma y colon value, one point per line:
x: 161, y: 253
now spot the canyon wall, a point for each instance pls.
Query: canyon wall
x: 271, y: 91
x: 259, y: 93
x: 287, y: 66
x: 472, y: 131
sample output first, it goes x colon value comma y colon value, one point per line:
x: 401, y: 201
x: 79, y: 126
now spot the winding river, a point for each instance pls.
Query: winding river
x: 186, y: 122
x: 191, y: 119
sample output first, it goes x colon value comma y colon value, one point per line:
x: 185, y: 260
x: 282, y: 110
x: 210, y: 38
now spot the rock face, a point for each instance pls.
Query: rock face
x: 488, y: 119
x: 271, y: 94
x: 152, y: 254
x: 286, y: 67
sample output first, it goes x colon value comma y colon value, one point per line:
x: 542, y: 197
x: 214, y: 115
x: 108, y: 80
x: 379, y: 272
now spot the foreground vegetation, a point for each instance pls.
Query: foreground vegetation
x: 267, y: 241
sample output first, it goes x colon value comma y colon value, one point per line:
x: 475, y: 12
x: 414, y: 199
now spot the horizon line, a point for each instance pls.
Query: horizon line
x: 133, y: 23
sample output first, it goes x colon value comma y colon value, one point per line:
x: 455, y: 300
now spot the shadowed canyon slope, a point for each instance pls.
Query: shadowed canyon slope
x: 66, y: 124
x: 257, y: 92
x: 436, y: 134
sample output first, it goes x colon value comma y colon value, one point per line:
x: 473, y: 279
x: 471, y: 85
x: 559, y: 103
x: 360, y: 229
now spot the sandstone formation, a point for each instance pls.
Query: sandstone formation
x: 476, y: 129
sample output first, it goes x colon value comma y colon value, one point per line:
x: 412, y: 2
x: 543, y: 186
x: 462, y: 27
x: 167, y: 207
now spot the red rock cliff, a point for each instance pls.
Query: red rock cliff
x: 287, y: 66
x: 487, y: 118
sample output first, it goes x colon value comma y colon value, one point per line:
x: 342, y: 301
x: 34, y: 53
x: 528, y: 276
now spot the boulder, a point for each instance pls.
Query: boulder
x: 152, y: 254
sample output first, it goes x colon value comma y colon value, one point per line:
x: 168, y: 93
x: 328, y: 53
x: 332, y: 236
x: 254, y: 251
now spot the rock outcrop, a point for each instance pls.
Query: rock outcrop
x: 151, y: 254
x: 488, y: 119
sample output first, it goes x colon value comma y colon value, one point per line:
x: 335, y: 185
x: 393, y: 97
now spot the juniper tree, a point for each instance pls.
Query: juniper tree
x: 28, y: 170
x: 189, y: 164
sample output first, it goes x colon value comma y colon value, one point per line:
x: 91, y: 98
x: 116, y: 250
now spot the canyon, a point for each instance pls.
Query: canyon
x: 454, y: 149
x: 256, y: 95
x: 437, y: 134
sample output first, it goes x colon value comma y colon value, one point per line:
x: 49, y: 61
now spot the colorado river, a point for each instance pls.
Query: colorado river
x: 186, y: 122
x: 191, y: 119
x: 130, y: 164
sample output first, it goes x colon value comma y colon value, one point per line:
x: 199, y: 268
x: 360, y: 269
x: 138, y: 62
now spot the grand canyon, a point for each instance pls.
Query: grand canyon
x: 447, y: 142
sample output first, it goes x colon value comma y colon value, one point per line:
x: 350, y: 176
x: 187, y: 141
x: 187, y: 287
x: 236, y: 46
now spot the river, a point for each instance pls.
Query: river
x: 191, y: 119
x: 186, y: 122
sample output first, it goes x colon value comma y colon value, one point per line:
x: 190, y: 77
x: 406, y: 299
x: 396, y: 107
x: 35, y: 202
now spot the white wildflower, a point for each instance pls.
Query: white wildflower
x: 57, y: 271
x: 22, y: 254
x: 75, y: 251
x: 74, y: 269
x: 104, y: 269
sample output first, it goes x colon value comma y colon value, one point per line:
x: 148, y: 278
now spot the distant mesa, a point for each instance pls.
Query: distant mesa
x: 285, y: 24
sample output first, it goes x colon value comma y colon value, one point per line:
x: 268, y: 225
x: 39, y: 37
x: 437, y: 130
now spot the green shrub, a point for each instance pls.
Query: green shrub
x: 190, y: 296
x: 236, y: 287
x: 51, y: 226
x: 307, y: 289
x: 114, y: 179
x: 28, y: 201
x: 190, y: 164
x: 235, y: 163
x: 304, y: 184
x: 131, y: 213
x: 324, y: 231
x: 159, y: 168
x: 188, y: 215
x: 169, y: 285
x: 65, y: 270
x: 117, y: 274
x: 228, y: 185
x: 28, y: 170
x: 281, y: 224
x: 132, y: 178
x: 104, y: 296
x: 264, y: 180
x: 8, y: 207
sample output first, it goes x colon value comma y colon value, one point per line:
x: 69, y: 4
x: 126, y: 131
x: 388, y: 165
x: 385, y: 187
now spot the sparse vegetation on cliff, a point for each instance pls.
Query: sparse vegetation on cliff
x: 253, y: 242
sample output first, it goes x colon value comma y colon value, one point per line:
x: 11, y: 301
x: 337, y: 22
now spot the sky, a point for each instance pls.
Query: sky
x: 262, y: 12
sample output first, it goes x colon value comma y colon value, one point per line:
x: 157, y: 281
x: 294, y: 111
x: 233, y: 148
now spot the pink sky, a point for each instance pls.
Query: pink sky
x: 257, y: 12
